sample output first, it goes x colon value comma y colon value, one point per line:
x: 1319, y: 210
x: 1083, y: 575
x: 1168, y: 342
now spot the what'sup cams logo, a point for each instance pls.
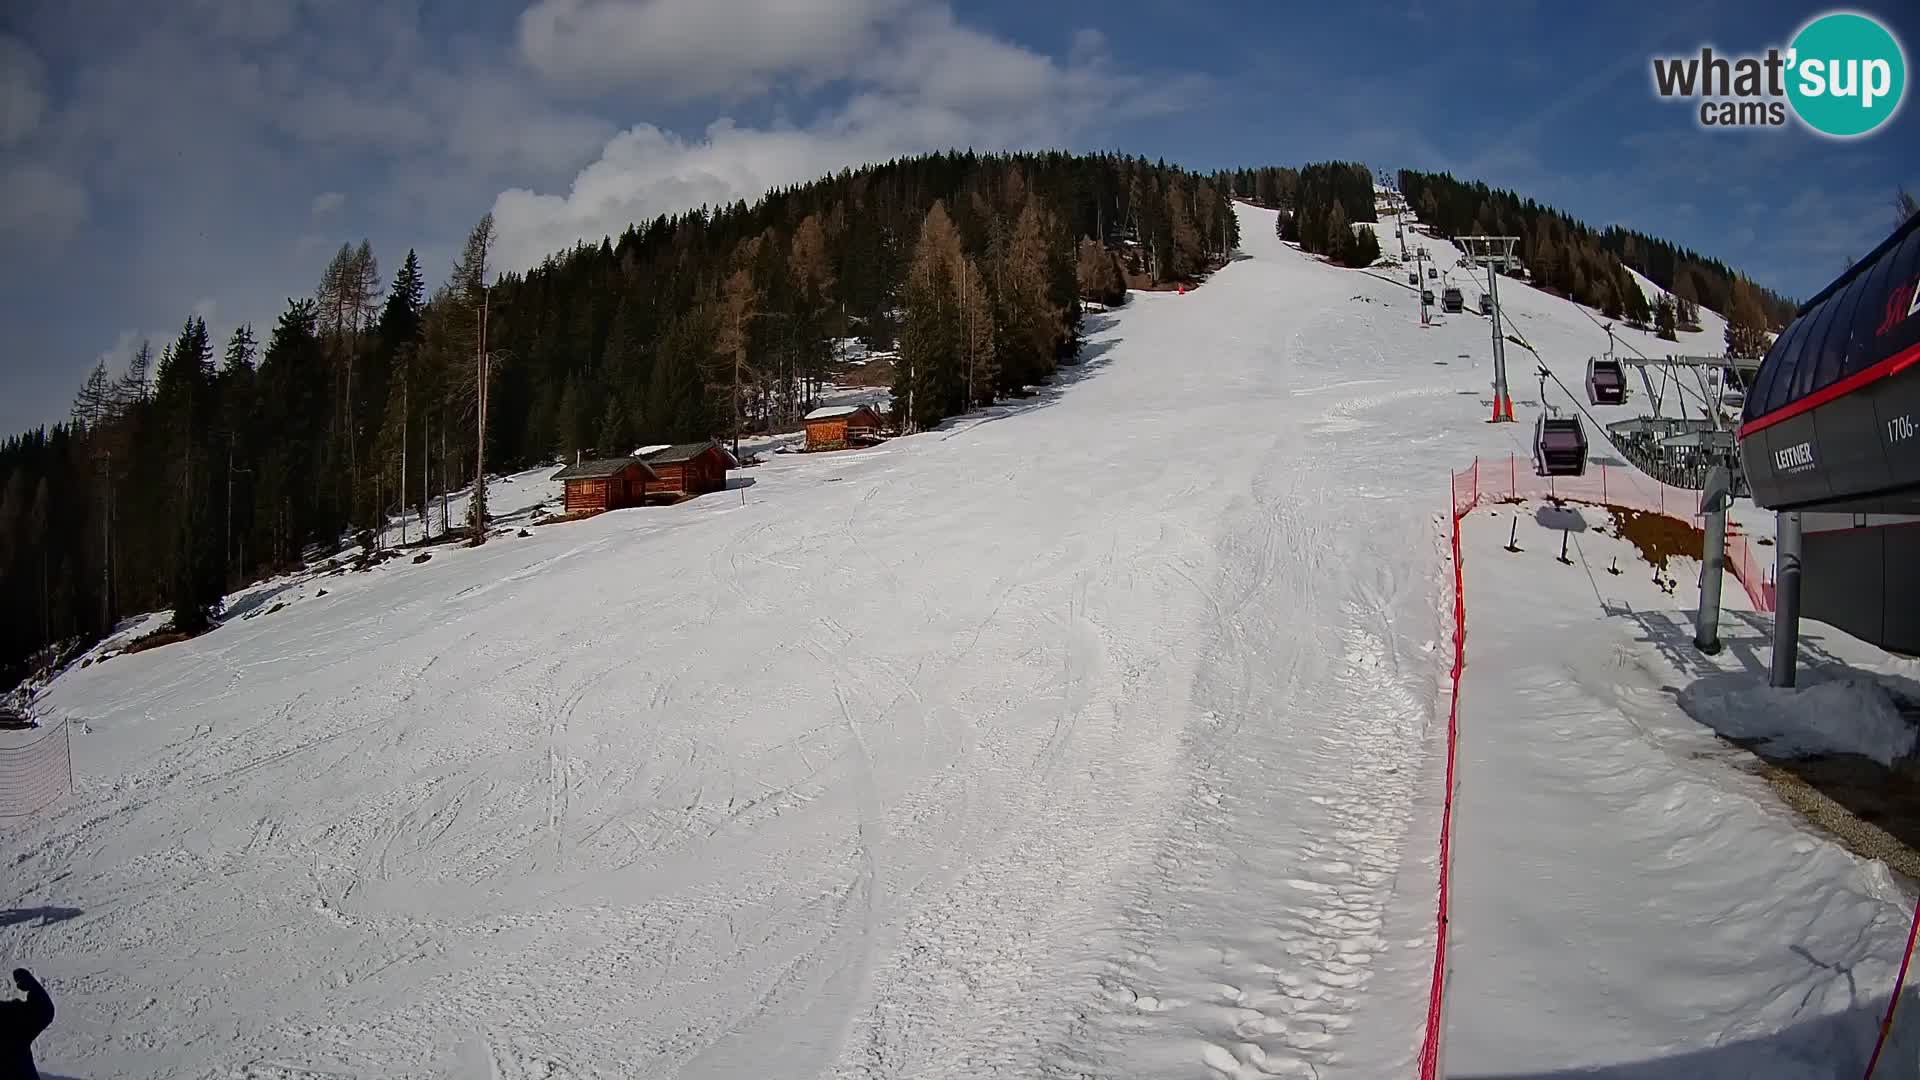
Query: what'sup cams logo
x: 1843, y: 75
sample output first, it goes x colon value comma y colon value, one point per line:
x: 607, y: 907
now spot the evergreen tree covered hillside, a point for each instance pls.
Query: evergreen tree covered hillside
x: 212, y: 464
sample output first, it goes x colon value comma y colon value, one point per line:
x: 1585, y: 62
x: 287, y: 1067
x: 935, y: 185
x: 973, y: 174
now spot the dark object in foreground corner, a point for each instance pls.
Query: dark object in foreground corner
x: 20, y: 1023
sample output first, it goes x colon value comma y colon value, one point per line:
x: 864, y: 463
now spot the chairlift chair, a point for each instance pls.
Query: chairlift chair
x: 1606, y: 381
x: 1559, y: 446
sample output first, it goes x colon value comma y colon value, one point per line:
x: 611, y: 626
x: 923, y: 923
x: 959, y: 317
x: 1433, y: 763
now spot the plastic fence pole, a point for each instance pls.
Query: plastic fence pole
x: 1886, y: 1022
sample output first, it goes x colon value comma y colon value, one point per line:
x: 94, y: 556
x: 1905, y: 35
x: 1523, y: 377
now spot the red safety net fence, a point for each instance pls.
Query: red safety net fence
x: 1494, y: 480
x: 1466, y: 494
x: 35, y: 773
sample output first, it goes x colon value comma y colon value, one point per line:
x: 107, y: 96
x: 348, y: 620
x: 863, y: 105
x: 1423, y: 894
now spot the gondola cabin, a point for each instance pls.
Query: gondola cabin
x: 1606, y: 382
x: 1451, y: 301
x: 688, y: 468
x: 605, y: 484
x: 1559, y: 446
x: 834, y: 427
x: 1486, y: 304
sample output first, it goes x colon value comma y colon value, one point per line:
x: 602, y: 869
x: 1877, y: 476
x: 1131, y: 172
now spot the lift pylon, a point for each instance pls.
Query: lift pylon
x: 1495, y: 253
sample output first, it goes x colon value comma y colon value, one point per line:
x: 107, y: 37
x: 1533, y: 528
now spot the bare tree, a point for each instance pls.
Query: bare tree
x: 468, y: 289
x: 1905, y: 206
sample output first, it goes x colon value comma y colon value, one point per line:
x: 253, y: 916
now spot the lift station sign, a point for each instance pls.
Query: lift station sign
x: 1844, y: 75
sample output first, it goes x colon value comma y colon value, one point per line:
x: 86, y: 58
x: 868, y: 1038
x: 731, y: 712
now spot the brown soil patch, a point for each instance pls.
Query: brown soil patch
x: 166, y: 635
x: 557, y: 519
x: 1657, y: 536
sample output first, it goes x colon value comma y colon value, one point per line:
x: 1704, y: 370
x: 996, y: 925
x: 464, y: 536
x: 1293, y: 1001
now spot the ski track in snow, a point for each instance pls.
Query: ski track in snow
x: 1094, y: 736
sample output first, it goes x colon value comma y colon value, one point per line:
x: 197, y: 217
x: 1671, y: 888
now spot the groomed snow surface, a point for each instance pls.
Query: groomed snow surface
x: 1627, y: 901
x: 1094, y: 736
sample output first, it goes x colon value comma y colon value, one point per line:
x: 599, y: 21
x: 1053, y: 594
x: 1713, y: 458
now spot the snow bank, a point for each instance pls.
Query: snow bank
x: 1840, y: 716
x: 1628, y: 899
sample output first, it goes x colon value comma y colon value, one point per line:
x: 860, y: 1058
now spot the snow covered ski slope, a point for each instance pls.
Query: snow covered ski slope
x: 1093, y: 736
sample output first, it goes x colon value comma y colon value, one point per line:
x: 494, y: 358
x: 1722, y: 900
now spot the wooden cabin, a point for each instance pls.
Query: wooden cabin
x: 834, y: 426
x: 606, y: 484
x: 688, y: 468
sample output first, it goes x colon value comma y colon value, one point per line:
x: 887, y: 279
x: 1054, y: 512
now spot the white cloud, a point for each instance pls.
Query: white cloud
x: 686, y: 49
x: 328, y: 202
x: 23, y: 94
x: 38, y: 203
x: 933, y: 84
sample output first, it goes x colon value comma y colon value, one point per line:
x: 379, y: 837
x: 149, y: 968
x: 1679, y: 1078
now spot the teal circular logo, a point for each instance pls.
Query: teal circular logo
x: 1846, y: 74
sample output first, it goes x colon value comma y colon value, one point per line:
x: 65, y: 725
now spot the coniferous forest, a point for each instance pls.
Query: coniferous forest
x: 198, y: 466
x: 201, y: 465
x: 1575, y: 260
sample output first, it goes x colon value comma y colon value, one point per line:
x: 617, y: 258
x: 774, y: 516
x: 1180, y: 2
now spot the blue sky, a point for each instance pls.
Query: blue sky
x: 158, y: 160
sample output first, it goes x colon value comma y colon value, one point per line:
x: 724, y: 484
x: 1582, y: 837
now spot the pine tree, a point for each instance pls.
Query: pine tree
x: 570, y: 444
x: 1612, y: 304
x: 400, y: 318
x: 1663, y: 319
x: 183, y: 396
x: 611, y: 438
x: 1633, y: 306
x: 927, y: 383
x: 1339, y: 235
x: 241, y: 349
x: 1364, y: 249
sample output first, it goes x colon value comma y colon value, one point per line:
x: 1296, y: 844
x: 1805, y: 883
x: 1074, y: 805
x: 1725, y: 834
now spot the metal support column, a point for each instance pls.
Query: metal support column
x: 1786, y: 607
x: 1713, y: 503
x: 1502, y: 398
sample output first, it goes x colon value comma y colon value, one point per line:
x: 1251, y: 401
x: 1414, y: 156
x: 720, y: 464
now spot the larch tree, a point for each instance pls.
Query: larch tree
x: 733, y: 377
x: 1746, y: 334
x: 1096, y: 274
x: 1686, y: 302
x: 468, y: 287
x: 1188, y: 253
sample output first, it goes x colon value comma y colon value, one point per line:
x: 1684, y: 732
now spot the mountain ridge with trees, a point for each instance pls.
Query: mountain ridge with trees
x: 198, y: 470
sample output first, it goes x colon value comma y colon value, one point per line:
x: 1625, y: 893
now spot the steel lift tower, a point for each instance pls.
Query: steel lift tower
x: 1496, y: 253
